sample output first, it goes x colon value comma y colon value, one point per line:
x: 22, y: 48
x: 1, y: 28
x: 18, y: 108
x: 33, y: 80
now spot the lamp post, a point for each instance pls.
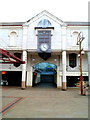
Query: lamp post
x: 80, y: 38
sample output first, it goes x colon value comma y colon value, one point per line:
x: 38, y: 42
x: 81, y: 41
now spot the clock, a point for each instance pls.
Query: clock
x: 44, y: 47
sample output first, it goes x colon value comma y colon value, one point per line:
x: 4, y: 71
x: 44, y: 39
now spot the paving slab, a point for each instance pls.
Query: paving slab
x: 45, y: 103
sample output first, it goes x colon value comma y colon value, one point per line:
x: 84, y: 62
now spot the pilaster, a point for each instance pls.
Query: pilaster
x: 25, y: 34
x: 64, y: 37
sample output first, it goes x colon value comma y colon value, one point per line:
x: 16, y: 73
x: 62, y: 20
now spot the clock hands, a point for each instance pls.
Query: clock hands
x: 44, y: 47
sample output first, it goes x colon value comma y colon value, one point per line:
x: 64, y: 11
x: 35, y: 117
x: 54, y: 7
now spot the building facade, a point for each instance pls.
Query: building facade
x: 45, y: 39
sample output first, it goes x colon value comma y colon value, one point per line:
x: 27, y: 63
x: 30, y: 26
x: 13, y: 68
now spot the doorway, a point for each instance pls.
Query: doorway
x: 44, y: 75
x: 12, y: 78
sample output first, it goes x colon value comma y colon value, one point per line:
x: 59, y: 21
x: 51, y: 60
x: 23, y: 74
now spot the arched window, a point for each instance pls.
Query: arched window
x: 74, y: 37
x: 72, y: 60
x: 13, y: 38
x: 44, y: 23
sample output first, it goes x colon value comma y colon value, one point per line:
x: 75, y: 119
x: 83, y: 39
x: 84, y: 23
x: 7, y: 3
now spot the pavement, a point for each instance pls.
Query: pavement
x: 41, y: 102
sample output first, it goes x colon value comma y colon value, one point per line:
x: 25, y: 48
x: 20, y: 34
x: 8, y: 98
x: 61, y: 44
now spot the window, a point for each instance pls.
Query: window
x: 74, y: 37
x: 72, y: 60
x: 44, y: 23
x: 13, y: 37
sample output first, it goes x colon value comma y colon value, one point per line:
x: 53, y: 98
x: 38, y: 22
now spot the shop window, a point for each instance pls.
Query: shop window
x: 72, y: 60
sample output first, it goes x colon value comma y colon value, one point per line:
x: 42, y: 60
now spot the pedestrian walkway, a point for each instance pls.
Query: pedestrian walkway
x: 43, y: 103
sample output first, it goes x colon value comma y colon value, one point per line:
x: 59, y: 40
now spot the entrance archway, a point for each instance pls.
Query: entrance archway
x: 44, y: 75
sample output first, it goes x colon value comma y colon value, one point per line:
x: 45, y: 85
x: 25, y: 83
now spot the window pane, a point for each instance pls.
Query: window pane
x: 72, y: 60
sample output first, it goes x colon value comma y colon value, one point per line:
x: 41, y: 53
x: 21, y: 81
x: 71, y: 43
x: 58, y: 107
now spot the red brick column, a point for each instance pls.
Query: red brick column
x: 64, y: 86
x: 23, y: 86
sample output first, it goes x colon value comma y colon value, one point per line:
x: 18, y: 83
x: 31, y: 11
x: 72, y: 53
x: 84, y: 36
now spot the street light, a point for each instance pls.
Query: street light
x: 80, y: 38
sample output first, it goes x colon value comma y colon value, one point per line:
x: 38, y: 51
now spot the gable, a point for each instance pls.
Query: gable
x: 45, y: 14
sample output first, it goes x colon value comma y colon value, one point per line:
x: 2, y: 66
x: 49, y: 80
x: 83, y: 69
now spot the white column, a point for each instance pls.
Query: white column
x: 30, y: 71
x: 24, y: 70
x: 89, y: 46
x: 59, y: 82
x: 64, y: 70
x: 89, y: 53
x: 31, y: 76
x: 89, y: 66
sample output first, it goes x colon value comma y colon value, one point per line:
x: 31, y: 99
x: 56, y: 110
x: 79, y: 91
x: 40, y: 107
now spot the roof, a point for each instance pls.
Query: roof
x: 45, y: 12
x: 78, y: 23
x: 12, y: 23
x: 68, y: 23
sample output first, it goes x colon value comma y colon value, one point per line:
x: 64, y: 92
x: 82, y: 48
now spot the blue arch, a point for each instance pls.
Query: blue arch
x: 45, y: 67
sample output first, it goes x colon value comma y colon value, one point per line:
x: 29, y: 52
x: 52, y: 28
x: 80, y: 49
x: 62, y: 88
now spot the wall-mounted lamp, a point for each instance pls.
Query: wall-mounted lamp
x: 55, y: 60
x: 82, y: 52
x: 33, y: 60
x: 78, y: 55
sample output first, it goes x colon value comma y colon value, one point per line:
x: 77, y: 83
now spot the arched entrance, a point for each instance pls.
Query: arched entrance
x: 44, y: 75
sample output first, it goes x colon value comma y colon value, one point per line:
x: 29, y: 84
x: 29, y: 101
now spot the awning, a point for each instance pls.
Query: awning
x: 8, y: 58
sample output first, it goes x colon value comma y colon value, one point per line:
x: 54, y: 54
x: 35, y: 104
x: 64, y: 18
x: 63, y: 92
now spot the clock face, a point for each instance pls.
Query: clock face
x: 44, y: 47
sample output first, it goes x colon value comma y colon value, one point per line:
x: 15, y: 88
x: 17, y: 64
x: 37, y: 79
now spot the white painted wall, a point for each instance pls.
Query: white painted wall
x: 5, y: 37
x: 70, y: 30
x: 32, y: 38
